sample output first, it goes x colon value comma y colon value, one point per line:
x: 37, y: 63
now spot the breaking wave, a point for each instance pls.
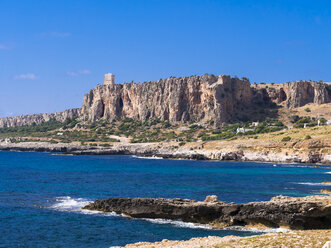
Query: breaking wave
x: 179, y: 223
x: 152, y: 157
x: 314, y: 184
x: 69, y: 204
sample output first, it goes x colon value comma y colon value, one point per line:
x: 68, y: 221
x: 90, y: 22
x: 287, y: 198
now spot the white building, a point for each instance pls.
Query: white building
x: 244, y: 130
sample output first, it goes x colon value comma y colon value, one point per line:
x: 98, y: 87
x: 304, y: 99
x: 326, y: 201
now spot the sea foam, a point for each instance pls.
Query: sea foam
x: 66, y: 203
x: 179, y: 223
x: 251, y: 229
x: 69, y: 204
x: 152, y: 157
x: 314, y: 184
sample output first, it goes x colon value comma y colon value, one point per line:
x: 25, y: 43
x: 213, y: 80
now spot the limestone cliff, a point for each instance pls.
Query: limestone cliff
x: 294, y: 94
x: 27, y: 120
x: 199, y: 98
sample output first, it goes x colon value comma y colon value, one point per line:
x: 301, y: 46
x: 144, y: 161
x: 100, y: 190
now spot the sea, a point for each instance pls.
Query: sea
x: 41, y: 195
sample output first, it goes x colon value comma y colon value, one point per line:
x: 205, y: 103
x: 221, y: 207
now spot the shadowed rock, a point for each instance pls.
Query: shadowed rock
x: 296, y: 213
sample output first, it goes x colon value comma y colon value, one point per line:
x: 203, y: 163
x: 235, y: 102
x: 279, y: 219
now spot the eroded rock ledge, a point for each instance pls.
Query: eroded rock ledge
x: 312, y: 212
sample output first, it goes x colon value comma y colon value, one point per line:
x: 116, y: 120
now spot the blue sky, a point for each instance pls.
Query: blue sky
x: 52, y: 52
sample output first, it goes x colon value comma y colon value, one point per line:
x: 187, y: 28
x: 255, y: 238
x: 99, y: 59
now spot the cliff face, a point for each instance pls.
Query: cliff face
x: 175, y: 99
x: 26, y: 120
x: 295, y: 94
x: 300, y: 93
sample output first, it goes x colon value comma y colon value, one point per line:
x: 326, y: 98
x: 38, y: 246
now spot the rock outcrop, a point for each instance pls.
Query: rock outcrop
x: 312, y: 212
x: 200, y: 98
x: 293, y: 94
x: 300, y: 93
x: 27, y: 120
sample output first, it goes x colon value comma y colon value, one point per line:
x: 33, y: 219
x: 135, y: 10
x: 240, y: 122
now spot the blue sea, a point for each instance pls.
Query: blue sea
x: 41, y: 195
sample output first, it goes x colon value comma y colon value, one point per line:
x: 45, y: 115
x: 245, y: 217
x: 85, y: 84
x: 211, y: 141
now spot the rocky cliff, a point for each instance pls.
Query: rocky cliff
x: 295, y: 94
x: 26, y: 120
x: 300, y: 93
x: 207, y: 97
x: 199, y: 98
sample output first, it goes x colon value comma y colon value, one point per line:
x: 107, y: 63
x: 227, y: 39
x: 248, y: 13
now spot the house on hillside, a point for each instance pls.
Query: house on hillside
x: 244, y: 130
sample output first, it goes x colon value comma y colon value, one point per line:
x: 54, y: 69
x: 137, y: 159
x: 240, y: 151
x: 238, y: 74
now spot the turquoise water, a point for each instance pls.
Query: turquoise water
x: 41, y: 195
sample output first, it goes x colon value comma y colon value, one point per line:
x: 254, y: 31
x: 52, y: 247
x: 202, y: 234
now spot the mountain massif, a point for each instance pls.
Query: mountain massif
x: 208, y: 98
x: 220, y: 99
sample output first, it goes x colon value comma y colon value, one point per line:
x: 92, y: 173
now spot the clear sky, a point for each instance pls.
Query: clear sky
x: 52, y: 52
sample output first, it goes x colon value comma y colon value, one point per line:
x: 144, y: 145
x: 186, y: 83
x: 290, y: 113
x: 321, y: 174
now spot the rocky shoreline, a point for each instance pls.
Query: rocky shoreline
x: 171, y: 151
x: 298, y: 213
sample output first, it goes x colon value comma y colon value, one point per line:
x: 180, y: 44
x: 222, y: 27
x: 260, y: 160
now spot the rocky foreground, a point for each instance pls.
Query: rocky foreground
x: 302, y: 239
x: 313, y: 212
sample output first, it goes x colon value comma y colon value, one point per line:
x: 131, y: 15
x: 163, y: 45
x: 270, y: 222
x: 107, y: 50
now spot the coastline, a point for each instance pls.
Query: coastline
x: 302, y: 221
x: 196, y: 151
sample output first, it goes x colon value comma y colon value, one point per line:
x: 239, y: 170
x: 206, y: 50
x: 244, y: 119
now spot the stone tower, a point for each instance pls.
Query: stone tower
x: 109, y: 79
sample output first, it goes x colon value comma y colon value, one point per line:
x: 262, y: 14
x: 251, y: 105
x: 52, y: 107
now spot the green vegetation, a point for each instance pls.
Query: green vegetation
x: 103, y: 133
x: 27, y: 130
x: 286, y: 138
x: 323, y: 121
x: 299, y: 122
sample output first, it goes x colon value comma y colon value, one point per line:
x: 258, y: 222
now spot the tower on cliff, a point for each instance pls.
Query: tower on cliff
x: 109, y: 79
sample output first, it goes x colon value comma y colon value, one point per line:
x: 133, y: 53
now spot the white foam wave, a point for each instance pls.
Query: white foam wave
x: 69, y: 204
x: 182, y: 224
x: 179, y: 223
x: 66, y: 203
x: 251, y: 229
x: 329, y: 172
x: 61, y: 154
x: 315, y: 184
x: 153, y: 157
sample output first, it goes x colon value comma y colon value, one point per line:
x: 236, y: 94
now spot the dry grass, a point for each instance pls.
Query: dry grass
x: 316, y: 111
x: 321, y: 135
x: 302, y: 239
